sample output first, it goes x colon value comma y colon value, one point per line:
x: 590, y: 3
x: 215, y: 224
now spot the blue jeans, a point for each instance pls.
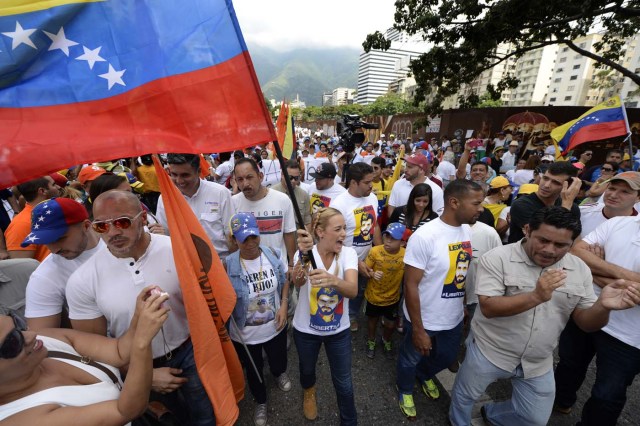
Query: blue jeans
x: 617, y: 364
x: 338, y: 350
x: 192, y: 393
x: 356, y: 303
x: 531, y: 400
x: 412, y: 364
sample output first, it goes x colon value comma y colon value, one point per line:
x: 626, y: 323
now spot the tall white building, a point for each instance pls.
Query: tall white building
x: 534, y: 70
x: 630, y: 91
x: 573, y: 74
x: 377, y: 68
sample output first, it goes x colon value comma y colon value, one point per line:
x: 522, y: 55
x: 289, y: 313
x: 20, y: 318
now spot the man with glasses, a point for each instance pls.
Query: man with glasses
x: 585, y: 157
x: 210, y: 202
x: 302, y: 197
x: 102, y: 299
x: 558, y: 186
x: 63, y: 226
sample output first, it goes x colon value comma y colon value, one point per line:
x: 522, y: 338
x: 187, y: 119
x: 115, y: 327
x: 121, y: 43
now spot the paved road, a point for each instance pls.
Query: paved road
x: 376, y: 401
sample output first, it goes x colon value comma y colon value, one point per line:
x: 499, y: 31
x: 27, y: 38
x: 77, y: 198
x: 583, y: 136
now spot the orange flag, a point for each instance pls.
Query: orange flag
x: 209, y: 300
x: 204, y: 167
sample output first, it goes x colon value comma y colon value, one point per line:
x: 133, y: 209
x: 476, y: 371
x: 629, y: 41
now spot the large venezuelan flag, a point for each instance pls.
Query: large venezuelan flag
x: 605, y: 120
x: 92, y: 80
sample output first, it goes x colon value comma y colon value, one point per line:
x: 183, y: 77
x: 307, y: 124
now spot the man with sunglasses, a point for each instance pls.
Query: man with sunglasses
x: 102, y: 298
x: 210, y: 202
x: 593, y: 173
x: 63, y: 226
x: 302, y: 196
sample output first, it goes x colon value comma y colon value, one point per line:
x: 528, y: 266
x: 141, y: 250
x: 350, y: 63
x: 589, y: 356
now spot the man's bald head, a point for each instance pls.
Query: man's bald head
x: 117, y: 196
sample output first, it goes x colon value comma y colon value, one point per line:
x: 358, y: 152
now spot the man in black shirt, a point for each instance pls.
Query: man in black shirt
x: 558, y: 186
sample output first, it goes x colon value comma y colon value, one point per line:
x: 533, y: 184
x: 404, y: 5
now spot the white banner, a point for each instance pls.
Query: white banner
x: 310, y: 166
x: 272, y: 172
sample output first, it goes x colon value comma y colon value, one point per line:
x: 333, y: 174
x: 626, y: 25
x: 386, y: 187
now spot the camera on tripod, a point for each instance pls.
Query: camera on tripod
x: 347, y: 130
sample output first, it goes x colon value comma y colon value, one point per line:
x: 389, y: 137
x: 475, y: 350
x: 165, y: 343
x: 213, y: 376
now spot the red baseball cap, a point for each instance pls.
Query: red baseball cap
x: 90, y: 173
x: 417, y: 159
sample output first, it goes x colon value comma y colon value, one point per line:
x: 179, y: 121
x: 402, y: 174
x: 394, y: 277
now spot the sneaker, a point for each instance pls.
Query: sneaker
x: 371, y: 349
x: 354, y: 326
x: 430, y: 389
x: 387, y: 349
x: 407, y: 406
x: 284, y: 382
x: 260, y: 415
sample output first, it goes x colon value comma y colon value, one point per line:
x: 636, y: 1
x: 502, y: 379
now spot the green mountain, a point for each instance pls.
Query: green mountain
x: 305, y: 72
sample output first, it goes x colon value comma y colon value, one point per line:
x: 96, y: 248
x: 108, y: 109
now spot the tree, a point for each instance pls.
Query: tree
x: 602, y: 81
x: 467, y: 34
x: 486, y: 101
x: 389, y: 104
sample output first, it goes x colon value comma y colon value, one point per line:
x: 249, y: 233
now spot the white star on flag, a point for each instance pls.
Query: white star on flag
x: 60, y: 41
x: 48, y: 212
x: 91, y: 56
x: 36, y: 226
x: 244, y: 226
x: 20, y: 36
x: 113, y: 76
x: 32, y: 238
x: 41, y: 219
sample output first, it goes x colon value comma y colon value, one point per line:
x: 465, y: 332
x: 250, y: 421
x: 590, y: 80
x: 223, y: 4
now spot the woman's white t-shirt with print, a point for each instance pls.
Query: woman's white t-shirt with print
x: 323, y: 311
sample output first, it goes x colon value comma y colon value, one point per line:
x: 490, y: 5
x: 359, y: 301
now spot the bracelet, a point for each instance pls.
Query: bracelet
x: 284, y: 299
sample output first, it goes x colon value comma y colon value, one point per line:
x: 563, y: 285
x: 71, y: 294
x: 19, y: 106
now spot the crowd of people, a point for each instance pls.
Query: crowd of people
x: 510, y: 249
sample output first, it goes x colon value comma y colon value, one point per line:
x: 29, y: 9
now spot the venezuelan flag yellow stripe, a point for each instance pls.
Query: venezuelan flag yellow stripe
x: 17, y: 7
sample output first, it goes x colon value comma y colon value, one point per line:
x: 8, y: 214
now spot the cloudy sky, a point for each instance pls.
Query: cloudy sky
x: 287, y: 24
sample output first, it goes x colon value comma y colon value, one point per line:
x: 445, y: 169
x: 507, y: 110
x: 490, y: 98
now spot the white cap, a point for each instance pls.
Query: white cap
x: 548, y: 158
x: 383, y: 135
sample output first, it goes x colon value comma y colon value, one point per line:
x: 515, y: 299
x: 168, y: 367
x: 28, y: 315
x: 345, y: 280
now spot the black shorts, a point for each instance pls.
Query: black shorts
x: 390, y: 312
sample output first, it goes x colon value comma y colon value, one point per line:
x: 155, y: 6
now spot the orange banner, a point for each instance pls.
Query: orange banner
x: 209, y: 300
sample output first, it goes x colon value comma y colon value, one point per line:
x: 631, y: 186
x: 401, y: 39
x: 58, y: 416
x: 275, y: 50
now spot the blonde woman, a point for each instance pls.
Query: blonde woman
x: 322, y: 313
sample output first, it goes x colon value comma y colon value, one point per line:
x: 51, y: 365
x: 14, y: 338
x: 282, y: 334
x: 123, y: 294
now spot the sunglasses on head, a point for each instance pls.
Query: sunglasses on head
x: 14, y: 342
x: 607, y: 169
x: 124, y: 222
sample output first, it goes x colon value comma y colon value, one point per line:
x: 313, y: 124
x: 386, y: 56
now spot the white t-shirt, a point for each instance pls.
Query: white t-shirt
x: 503, y: 215
x: 264, y: 302
x: 212, y: 206
x: 444, y: 253
x: 483, y: 239
x: 48, y: 283
x: 309, y: 317
x: 322, y: 198
x: 508, y: 161
x: 498, y: 142
x: 402, y: 188
x: 520, y: 177
x: 620, y: 238
x: 224, y: 171
x: 275, y: 217
x: 360, y: 217
x: 108, y: 286
x: 446, y: 171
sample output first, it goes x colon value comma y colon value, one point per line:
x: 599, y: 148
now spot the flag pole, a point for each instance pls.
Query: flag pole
x: 626, y: 122
x: 292, y: 195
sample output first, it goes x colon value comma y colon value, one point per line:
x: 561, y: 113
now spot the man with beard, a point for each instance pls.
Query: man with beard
x: 462, y: 267
x: 418, y: 167
x: 527, y: 291
x: 327, y: 300
x: 433, y: 306
x: 558, y: 186
x: 102, y: 298
x: 66, y: 232
x: 272, y: 209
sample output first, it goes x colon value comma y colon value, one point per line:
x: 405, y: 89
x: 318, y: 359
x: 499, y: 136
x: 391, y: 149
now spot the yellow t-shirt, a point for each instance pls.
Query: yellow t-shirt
x: 385, y: 291
x: 147, y: 175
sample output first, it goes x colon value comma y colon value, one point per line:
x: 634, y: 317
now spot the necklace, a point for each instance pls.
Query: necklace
x: 247, y: 271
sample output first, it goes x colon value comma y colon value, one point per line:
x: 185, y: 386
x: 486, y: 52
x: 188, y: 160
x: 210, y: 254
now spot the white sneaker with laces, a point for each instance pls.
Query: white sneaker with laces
x: 284, y: 382
x: 260, y: 415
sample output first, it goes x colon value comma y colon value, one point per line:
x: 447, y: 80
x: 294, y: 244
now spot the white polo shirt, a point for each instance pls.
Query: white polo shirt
x: 212, y: 206
x: 108, y: 286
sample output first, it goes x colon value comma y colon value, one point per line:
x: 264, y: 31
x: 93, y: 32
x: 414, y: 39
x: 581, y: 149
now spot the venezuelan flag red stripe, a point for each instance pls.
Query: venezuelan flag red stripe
x: 597, y: 132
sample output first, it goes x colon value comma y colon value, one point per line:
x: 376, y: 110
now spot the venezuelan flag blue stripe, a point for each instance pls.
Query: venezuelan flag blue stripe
x: 595, y: 118
x: 113, y: 46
